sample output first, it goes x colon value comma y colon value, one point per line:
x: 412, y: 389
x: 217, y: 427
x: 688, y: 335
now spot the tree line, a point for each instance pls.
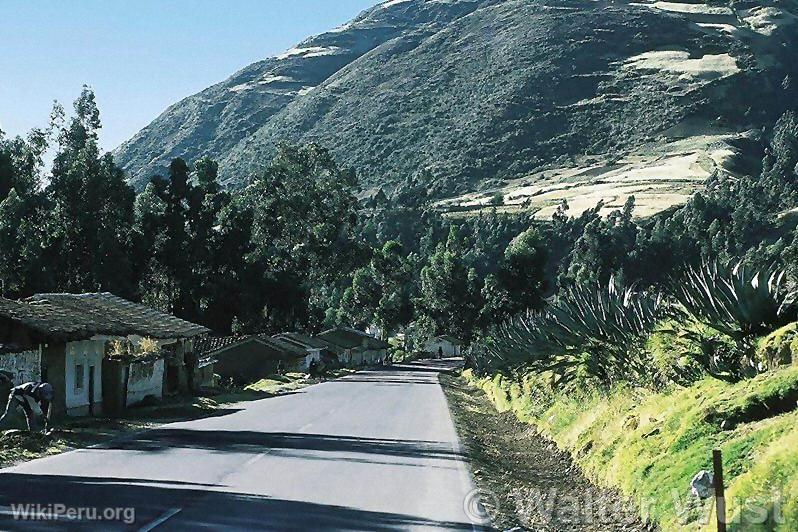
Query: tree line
x: 690, y: 293
x: 292, y: 247
x: 300, y: 246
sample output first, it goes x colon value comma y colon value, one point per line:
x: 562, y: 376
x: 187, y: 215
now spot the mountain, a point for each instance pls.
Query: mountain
x: 527, y: 99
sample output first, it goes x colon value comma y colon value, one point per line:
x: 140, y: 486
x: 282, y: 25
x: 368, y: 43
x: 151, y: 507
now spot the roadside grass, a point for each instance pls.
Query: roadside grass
x: 17, y: 446
x: 527, y: 480
x: 650, y: 445
x: 276, y: 384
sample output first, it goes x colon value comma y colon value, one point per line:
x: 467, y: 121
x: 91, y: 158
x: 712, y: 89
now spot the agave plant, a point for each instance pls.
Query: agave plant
x: 735, y: 300
x: 589, y: 330
x: 611, y: 317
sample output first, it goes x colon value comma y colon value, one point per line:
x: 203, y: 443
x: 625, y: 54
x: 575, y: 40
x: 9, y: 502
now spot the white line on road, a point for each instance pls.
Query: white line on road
x: 166, y: 516
x: 252, y: 460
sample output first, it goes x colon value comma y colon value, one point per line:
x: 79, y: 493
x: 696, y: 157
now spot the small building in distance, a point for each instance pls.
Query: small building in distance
x: 100, y: 352
x: 315, y: 349
x: 246, y: 359
x: 353, y: 347
x: 449, y: 346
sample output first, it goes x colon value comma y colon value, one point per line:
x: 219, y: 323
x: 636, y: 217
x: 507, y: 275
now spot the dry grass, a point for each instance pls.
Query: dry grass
x: 659, y: 177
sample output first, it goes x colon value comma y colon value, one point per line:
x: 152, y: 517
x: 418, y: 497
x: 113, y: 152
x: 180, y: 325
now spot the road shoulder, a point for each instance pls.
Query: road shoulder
x: 525, y: 480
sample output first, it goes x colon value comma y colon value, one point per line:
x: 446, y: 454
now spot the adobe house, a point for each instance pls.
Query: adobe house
x: 353, y: 347
x: 448, y: 345
x: 315, y: 349
x: 240, y: 359
x: 295, y: 357
x: 246, y: 359
x: 69, y: 340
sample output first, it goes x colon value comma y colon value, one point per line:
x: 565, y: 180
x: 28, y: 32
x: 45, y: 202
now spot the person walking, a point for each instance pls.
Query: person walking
x: 34, y: 399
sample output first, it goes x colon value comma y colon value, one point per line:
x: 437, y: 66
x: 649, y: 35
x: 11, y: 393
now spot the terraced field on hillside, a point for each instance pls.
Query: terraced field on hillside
x: 674, y: 163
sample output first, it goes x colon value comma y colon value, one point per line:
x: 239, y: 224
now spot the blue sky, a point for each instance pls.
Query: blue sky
x: 140, y: 56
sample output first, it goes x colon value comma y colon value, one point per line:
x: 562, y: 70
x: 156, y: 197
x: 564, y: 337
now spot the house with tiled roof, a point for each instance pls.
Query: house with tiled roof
x: 246, y: 359
x: 317, y: 352
x: 353, y: 347
x: 100, y: 352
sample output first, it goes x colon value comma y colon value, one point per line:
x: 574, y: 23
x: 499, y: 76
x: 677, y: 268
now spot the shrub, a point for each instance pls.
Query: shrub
x: 779, y: 348
x: 734, y: 300
x: 675, y: 353
x: 588, y: 331
x: 683, y: 352
x: 739, y: 303
x: 497, y: 199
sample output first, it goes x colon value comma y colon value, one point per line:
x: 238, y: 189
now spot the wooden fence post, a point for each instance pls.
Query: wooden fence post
x: 720, y: 498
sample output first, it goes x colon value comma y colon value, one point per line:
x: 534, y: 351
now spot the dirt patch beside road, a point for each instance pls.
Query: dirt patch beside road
x: 525, y: 479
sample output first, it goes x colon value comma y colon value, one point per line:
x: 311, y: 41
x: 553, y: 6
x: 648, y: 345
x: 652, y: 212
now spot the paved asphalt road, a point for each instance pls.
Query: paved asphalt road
x: 373, y: 451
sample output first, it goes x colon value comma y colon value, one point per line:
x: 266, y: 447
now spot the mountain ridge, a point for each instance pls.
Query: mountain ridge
x: 478, y: 92
x: 277, y: 81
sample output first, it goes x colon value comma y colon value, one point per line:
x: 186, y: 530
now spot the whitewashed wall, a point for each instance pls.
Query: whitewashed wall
x: 145, y: 379
x: 448, y: 348
x: 84, y: 353
x: 371, y: 356
x: 314, y: 355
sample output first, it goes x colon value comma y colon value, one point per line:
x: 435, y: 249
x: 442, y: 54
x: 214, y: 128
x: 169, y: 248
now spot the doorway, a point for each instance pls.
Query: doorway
x: 91, y: 390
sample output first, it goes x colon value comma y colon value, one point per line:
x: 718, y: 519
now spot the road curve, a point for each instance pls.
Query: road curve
x: 376, y: 450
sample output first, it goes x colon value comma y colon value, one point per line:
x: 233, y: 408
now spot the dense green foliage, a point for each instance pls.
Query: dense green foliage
x: 257, y: 259
x: 293, y: 249
x: 687, y: 256
x: 587, y: 331
x: 299, y: 246
x: 736, y: 301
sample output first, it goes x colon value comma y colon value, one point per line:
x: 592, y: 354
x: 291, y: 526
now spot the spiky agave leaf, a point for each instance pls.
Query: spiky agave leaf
x: 603, y: 322
x: 611, y: 316
x: 734, y: 300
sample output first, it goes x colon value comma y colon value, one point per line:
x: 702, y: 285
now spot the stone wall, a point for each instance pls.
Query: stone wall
x: 26, y: 366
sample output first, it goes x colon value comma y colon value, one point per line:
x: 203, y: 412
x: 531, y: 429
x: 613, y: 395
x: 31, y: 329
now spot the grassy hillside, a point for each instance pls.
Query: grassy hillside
x: 650, y: 444
x: 518, y: 97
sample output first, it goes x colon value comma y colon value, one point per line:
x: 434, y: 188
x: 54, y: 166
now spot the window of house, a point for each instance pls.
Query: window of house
x: 78, y: 376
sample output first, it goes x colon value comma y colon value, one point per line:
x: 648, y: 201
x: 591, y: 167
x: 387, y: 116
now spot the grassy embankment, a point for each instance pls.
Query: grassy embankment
x: 649, y: 444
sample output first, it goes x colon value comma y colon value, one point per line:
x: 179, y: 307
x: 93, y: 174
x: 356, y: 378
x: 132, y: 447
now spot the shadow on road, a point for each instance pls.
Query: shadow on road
x: 416, y: 372
x: 259, y: 442
x: 440, y: 365
x: 386, y: 379
x: 192, y: 508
